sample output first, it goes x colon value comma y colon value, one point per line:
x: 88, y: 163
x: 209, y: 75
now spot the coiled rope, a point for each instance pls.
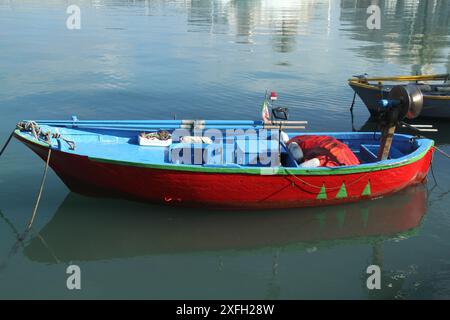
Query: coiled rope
x: 39, y: 134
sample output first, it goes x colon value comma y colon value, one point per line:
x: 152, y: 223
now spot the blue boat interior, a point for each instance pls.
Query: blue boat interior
x: 233, y: 151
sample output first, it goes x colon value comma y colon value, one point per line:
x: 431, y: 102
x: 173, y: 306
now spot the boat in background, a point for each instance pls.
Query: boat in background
x: 436, y: 96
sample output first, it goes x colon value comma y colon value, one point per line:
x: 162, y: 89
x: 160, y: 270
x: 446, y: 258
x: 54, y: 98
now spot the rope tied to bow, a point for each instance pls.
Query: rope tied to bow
x: 41, y: 189
x: 46, y: 136
x: 445, y: 154
x: 39, y: 134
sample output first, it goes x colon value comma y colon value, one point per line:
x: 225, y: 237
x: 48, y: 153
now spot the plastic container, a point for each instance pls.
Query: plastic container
x: 154, y: 142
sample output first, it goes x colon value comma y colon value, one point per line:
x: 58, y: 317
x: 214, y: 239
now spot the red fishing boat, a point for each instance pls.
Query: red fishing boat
x: 231, y: 164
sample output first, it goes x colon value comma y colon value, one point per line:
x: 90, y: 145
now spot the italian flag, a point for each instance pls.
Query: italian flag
x: 265, y: 112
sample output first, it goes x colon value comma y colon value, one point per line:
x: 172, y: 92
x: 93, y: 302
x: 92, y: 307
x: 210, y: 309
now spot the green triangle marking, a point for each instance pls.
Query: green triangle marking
x: 322, y: 194
x: 367, y: 191
x: 342, y: 192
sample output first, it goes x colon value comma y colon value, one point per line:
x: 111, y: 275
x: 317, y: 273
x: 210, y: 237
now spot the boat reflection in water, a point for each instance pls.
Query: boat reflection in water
x: 88, y: 229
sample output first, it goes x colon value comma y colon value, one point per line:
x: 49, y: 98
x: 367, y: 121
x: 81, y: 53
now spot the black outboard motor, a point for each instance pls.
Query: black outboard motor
x: 404, y: 102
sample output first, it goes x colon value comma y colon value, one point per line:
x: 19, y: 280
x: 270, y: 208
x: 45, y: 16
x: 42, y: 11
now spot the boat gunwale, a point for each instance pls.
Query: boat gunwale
x: 424, y: 147
x: 423, y: 77
x: 360, y: 84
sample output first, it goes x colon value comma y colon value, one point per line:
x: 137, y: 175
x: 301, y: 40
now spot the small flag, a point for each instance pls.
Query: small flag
x: 265, y: 112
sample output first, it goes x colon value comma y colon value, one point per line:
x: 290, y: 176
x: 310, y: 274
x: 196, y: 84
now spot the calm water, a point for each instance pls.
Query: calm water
x: 214, y: 59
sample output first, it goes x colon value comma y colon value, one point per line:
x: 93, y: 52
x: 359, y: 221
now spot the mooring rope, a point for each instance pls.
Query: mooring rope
x: 432, y: 174
x: 7, y: 143
x: 10, y: 224
x: 20, y: 243
x: 39, y: 134
x: 445, y: 154
x: 41, y: 188
x: 353, y: 102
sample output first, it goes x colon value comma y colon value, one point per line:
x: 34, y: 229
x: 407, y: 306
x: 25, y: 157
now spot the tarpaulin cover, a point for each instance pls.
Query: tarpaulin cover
x: 330, y: 151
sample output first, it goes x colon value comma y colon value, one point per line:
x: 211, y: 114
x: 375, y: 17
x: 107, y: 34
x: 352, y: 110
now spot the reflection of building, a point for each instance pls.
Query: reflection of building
x: 448, y: 63
x: 412, y: 32
x: 246, y: 19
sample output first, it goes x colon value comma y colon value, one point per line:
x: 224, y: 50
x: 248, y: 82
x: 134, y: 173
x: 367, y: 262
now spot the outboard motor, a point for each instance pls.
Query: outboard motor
x: 404, y: 102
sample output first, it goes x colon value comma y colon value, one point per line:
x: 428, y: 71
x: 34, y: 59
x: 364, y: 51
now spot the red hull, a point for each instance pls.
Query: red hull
x: 228, y: 190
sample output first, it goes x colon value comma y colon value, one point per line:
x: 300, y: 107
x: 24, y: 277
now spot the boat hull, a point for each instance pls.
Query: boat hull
x: 434, y: 106
x: 94, y: 177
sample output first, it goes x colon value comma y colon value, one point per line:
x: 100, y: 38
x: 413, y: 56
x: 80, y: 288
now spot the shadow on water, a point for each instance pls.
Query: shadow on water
x: 88, y: 229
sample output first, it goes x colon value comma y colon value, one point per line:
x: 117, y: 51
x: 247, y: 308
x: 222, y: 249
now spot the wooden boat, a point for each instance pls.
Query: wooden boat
x: 104, y: 158
x: 436, y: 96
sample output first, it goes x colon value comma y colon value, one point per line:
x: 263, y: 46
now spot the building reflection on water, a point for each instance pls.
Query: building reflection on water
x: 282, y: 20
x: 412, y: 33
